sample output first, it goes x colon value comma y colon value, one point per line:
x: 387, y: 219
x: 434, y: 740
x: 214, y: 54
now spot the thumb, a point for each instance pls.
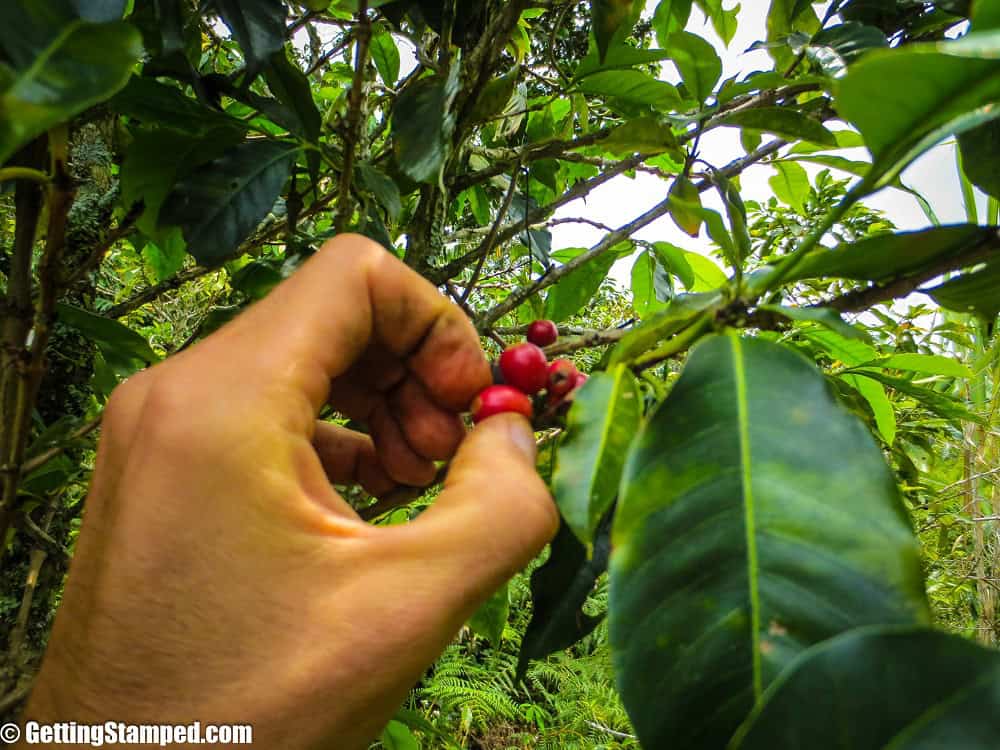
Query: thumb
x: 493, y: 517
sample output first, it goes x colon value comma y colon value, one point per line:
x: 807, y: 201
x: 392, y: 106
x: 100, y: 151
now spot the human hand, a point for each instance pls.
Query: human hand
x: 219, y: 577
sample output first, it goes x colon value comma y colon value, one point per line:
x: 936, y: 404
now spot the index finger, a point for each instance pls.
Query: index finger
x: 350, y: 296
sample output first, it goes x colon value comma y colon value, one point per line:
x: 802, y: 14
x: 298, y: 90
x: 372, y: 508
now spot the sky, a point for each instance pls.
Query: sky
x: 622, y: 199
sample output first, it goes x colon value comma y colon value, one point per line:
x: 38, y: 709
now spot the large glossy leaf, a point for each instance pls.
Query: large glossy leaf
x: 882, y: 689
x: 634, y: 87
x: 600, y: 427
x: 786, y: 123
x: 757, y: 518
x: 887, y: 255
x: 577, y: 288
x: 80, y: 65
x: 151, y: 102
x: 559, y: 589
x: 258, y: 26
x: 422, y: 124
x: 906, y: 100
x: 977, y: 292
x: 220, y: 204
x: 157, y: 158
x: 697, y: 62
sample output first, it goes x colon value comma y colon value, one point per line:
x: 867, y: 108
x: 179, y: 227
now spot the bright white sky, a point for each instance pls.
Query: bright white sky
x: 623, y: 199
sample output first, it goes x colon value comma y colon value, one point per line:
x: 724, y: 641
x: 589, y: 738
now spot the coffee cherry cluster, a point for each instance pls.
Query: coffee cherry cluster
x: 523, y: 374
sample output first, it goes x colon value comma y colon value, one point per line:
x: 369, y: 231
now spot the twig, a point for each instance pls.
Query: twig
x: 355, y: 118
x: 612, y: 239
x: 43, y: 458
x: 487, y: 245
x: 612, y: 732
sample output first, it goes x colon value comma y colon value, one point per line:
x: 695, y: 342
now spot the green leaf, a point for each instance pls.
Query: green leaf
x: 670, y: 16
x: 651, y: 287
x: 685, y: 206
x: 291, y: 87
x: 491, y: 617
x: 609, y: 18
x: 257, y: 278
x: 644, y: 135
x: 575, y: 290
x: 422, y: 124
x: 634, y: 87
x: 697, y: 62
x: 848, y: 350
x: 974, y: 292
x: 981, y: 157
x: 790, y: 184
x: 220, y: 204
x: 84, y: 64
x: 157, y: 158
x: 874, y: 393
x: 166, y: 106
x: 496, y: 95
x: 675, y: 260
x: 707, y: 275
x: 122, y: 348
x: 757, y: 518
x: 479, y: 204
x: 257, y: 25
x: 618, y: 56
x: 931, y: 690
x: 166, y: 257
x: 785, y: 123
x: 737, y: 214
x: 559, y: 589
x: 928, y: 364
x: 888, y: 255
x: 397, y: 736
x: 905, y: 101
x: 941, y: 404
x: 679, y: 313
x: 824, y: 316
x: 784, y: 19
x: 385, y: 55
x: 386, y: 191
x: 600, y: 426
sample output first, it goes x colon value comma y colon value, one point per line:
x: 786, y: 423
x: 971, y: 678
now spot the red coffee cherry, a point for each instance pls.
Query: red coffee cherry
x: 579, y: 379
x: 499, y: 399
x: 562, y: 378
x: 543, y: 333
x: 524, y: 366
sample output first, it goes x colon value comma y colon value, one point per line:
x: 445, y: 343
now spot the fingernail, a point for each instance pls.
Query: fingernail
x: 523, y: 437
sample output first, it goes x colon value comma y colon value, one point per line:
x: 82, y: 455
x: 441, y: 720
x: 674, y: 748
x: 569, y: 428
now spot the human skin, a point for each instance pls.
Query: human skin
x: 218, y: 575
